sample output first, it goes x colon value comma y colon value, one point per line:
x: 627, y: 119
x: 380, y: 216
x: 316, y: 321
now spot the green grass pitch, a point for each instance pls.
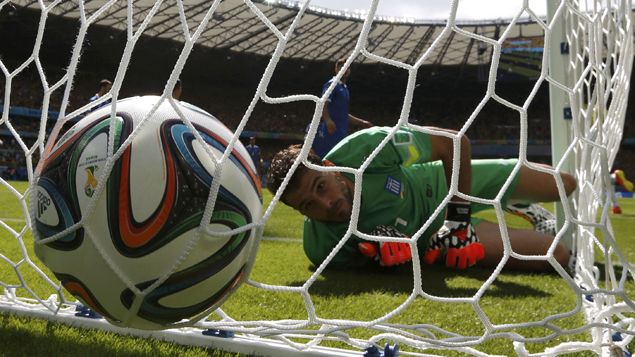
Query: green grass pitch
x: 358, y: 295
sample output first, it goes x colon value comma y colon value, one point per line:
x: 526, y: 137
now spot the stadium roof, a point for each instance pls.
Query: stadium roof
x: 323, y: 34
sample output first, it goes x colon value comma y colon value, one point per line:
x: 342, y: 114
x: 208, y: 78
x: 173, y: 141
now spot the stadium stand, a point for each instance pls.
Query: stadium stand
x: 222, y: 82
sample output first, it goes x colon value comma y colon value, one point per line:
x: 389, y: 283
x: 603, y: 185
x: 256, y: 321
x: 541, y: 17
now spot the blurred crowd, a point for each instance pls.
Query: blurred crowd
x: 429, y: 107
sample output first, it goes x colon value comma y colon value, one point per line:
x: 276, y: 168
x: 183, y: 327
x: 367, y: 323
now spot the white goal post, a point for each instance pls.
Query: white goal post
x: 587, y: 61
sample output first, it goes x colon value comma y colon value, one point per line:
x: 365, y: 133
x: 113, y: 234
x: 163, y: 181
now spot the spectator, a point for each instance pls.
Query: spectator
x: 266, y: 163
x: 335, y: 115
x: 254, y: 153
x: 104, y: 87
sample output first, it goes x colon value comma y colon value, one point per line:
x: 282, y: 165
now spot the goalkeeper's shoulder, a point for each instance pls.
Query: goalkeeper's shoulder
x: 353, y: 149
x: 374, y: 132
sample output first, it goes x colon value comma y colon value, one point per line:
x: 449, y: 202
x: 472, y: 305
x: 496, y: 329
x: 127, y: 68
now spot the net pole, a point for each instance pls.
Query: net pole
x: 560, y: 110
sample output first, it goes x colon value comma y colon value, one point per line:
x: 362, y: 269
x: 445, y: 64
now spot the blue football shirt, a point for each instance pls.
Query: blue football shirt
x: 338, y: 109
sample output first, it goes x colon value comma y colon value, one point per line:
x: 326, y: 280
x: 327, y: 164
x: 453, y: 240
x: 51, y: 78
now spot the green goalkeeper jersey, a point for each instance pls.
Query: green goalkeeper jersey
x: 401, y: 188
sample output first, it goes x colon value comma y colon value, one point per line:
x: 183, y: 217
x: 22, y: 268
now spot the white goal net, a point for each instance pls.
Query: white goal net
x: 594, y: 41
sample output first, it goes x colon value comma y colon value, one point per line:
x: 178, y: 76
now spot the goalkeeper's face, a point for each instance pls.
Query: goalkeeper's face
x: 323, y: 196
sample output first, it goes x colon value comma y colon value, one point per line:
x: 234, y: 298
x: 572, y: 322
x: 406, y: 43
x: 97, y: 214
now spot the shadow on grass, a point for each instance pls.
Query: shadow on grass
x: 617, y: 269
x: 624, y: 215
x: 54, y: 339
x: 437, y: 280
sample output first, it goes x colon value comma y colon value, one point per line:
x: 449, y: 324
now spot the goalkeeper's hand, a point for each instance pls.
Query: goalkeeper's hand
x: 457, y: 238
x: 387, y: 253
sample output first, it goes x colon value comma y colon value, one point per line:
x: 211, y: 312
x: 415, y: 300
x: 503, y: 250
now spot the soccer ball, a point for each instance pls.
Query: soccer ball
x: 130, y: 245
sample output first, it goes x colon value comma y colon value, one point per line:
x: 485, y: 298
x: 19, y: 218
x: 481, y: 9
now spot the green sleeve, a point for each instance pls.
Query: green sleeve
x: 407, y: 147
x: 320, y: 239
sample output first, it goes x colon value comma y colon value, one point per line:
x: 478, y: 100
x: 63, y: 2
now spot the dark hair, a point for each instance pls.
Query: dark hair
x: 281, y: 164
x: 339, y: 63
x: 104, y: 82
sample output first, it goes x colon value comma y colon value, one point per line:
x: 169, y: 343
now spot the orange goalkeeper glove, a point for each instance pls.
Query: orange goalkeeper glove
x: 457, y: 238
x: 386, y: 253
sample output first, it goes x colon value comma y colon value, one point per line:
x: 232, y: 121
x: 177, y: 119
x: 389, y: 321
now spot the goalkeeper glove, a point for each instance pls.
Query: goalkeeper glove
x: 457, y: 237
x: 386, y: 253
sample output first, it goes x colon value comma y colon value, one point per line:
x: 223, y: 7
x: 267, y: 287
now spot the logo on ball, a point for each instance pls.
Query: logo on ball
x: 91, y: 182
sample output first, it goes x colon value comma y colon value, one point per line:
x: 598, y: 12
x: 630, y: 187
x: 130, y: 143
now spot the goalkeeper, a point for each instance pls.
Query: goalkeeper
x: 401, y: 189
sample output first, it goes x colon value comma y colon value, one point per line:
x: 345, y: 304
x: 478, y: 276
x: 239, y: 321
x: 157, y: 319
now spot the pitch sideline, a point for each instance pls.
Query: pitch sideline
x: 270, y: 239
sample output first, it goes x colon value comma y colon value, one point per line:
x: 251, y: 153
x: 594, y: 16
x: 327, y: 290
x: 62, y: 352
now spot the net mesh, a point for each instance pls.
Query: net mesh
x: 596, y: 86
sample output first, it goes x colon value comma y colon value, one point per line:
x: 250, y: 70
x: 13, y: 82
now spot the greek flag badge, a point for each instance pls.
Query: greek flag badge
x: 393, y: 186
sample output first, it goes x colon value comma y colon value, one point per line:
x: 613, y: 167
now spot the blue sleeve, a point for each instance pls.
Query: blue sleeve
x: 325, y: 87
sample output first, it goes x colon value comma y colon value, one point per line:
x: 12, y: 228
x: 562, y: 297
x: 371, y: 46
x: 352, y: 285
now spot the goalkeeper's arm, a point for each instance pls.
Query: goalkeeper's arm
x: 442, y: 148
x: 457, y: 238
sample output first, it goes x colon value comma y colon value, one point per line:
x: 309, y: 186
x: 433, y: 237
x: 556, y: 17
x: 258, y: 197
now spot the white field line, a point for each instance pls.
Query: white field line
x: 272, y: 239
x: 282, y: 239
x: 12, y: 219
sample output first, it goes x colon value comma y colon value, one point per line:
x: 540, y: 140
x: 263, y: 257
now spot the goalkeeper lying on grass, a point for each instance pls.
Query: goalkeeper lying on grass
x: 402, y: 187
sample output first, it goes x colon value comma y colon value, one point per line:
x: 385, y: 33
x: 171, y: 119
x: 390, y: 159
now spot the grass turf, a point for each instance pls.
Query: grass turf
x: 358, y: 295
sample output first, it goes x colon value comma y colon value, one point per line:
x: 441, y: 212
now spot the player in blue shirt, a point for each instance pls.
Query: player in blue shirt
x: 335, y: 115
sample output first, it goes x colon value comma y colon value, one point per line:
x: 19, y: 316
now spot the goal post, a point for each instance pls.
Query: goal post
x: 560, y: 110
x: 587, y: 62
x: 594, y: 64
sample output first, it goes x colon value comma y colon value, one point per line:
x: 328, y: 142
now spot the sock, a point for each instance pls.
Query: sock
x: 539, y: 217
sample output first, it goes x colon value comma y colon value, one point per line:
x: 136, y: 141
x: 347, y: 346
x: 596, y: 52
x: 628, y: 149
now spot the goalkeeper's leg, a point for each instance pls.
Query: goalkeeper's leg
x: 537, y: 186
x: 540, y: 218
x: 523, y: 241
